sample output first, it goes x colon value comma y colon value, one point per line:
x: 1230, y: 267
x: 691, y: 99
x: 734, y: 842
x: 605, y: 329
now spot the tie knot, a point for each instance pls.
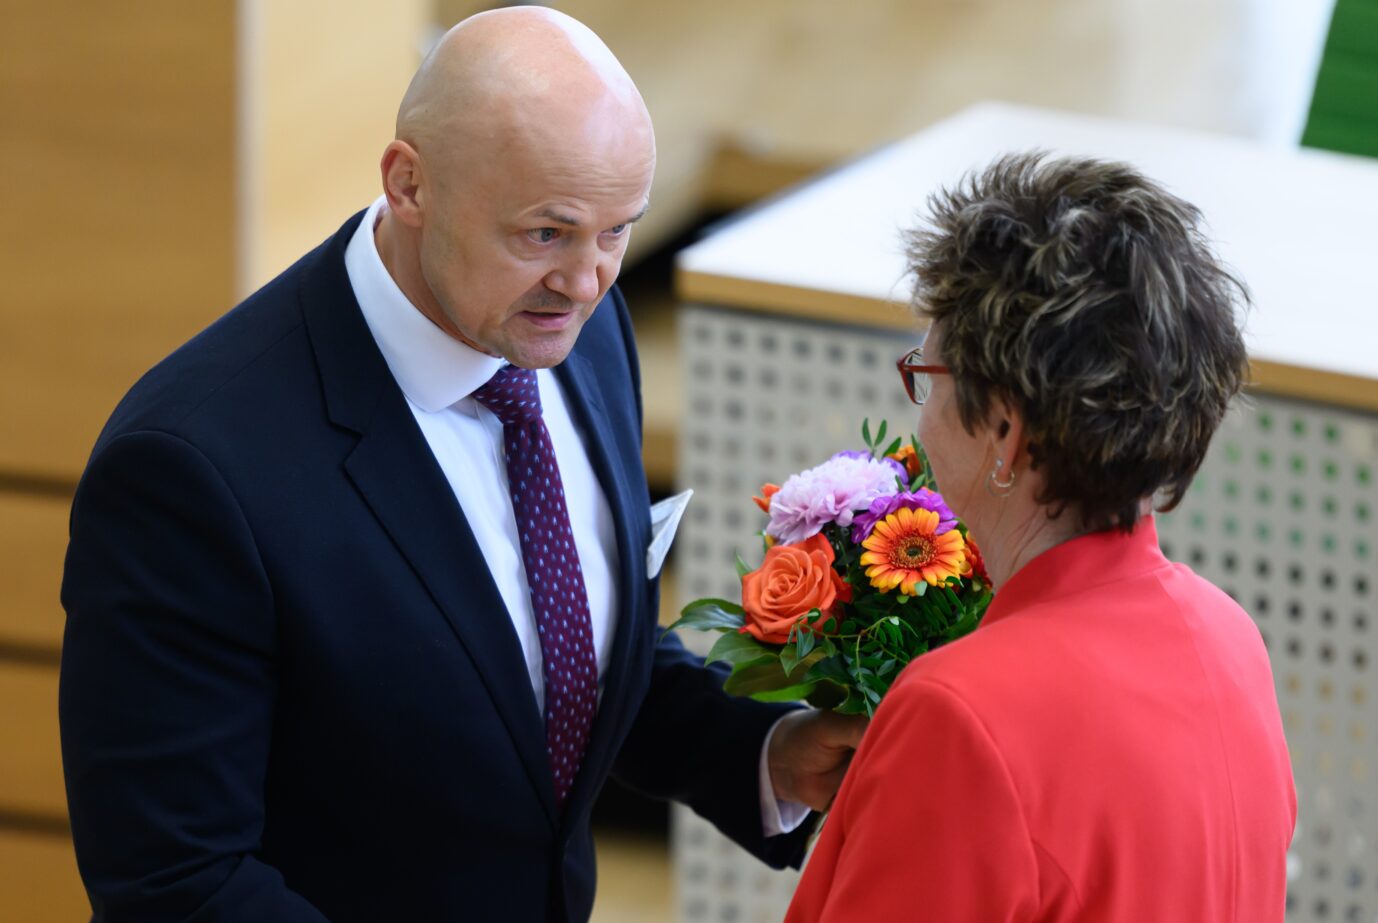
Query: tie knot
x: 512, y: 395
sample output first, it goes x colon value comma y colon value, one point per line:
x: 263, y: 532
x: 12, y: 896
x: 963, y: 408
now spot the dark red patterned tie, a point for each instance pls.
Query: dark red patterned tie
x: 552, y: 570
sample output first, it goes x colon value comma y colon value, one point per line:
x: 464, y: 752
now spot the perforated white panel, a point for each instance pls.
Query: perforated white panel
x: 1283, y: 515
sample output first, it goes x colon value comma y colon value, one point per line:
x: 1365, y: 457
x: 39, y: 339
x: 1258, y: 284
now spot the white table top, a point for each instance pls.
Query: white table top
x: 1299, y: 226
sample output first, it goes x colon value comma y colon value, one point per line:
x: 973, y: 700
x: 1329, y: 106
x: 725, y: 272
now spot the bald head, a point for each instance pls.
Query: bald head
x: 520, y: 74
x: 523, y: 157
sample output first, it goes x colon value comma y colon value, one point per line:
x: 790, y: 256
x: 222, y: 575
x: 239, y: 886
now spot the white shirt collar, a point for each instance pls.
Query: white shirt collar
x: 433, y: 369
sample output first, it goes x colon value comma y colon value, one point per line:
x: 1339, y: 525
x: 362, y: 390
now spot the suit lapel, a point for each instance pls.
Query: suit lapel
x: 395, y: 472
x: 582, y: 392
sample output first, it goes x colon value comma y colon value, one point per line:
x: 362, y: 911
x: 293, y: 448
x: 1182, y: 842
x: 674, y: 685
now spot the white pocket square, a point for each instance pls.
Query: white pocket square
x: 665, y: 517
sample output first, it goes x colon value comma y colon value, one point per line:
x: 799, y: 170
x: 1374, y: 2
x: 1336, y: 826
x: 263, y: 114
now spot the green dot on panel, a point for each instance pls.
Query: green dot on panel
x: 1297, y: 500
x: 1265, y: 421
x: 1361, y: 549
x: 1329, y: 505
x: 1298, y: 464
x: 1263, y: 531
x: 1296, y: 538
x: 1231, y: 525
x: 1331, y: 471
x: 1232, y: 489
x: 1265, y: 458
x: 1232, y: 452
x: 1328, y: 543
x: 1298, y: 426
x: 1264, y: 494
x: 1364, y: 474
x: 1198, y: 521
x: 1332, y: 433
x: 1361, y: 512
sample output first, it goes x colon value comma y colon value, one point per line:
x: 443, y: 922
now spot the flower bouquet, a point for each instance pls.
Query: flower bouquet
x: 865, y: 569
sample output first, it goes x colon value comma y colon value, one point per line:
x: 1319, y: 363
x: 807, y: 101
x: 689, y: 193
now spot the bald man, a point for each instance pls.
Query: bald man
x: 359, y: 617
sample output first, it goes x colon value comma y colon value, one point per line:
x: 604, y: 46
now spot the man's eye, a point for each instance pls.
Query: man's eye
x: 543, y: 235
x: 615, y: 231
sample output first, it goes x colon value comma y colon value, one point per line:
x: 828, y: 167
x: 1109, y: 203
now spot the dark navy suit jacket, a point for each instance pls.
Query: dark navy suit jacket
x: 290, y: 689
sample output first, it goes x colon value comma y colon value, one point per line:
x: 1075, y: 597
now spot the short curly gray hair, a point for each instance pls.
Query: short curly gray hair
x: 1087, y: 296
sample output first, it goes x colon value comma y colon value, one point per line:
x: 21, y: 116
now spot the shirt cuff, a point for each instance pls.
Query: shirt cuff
x: 777, y: 816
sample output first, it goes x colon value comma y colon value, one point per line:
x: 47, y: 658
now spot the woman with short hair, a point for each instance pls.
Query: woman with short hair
x: 1106, y: 746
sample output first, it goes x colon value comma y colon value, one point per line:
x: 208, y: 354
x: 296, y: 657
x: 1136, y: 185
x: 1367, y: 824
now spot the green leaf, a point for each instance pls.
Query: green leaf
x: 807, y: 639
x: 709, y: 614
x: 893, y: 447
x: 736, y: 648
x: 726, y: 605
x: 797, y: 693
x: 789, y: 657
x: 866, y: 432
x: 750, y: 679
x: 854, y: 704
x: 880, y: 435
x: 743, y: 568
x: 768, y: 676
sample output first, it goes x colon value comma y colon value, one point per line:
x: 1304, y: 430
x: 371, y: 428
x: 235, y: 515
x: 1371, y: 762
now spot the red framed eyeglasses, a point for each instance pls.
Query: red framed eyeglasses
x: 917, y: 376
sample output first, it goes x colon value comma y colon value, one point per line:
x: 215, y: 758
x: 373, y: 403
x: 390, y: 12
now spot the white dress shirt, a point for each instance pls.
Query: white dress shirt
x: 438, y: 375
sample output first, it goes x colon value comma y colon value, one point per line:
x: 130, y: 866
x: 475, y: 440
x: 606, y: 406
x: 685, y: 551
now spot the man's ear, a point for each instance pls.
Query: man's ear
x: 401, y: 169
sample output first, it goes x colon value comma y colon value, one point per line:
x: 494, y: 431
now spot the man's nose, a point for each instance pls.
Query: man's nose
x: 581, y: 279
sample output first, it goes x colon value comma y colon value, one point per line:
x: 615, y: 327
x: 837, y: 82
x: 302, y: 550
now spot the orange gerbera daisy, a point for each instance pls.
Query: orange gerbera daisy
x: 905, y: 548
x: 976, y: 563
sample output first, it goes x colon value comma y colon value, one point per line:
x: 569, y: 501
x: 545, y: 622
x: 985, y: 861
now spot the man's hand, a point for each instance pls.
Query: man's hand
x: 809, y: 753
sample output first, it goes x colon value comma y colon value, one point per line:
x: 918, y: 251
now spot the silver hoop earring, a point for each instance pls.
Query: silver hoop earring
x: 996, y: 487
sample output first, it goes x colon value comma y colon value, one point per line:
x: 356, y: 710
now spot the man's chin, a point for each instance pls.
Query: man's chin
x: 542, y: 352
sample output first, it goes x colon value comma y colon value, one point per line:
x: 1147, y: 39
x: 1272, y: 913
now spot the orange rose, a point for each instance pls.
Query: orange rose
x: 767, y: 491
x: 792, y: 581
x: 910, y: 459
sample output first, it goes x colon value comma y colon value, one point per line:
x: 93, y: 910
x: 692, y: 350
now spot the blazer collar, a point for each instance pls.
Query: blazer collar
x: 395, y: 472
x: 1076, y: 565
x: 393, y: 469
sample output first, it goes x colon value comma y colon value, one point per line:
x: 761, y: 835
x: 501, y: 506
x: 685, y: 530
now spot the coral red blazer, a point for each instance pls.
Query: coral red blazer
x: 1106, y: 747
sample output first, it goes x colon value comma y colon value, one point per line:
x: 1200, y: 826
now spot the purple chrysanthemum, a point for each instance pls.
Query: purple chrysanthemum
x: 922, y: 499
x: 831, y: 492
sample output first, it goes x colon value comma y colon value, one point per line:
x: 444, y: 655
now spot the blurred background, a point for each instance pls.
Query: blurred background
x: 161, y: 160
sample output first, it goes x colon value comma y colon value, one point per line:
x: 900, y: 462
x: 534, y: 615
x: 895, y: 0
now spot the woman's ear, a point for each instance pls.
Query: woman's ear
x: 1006, y: 427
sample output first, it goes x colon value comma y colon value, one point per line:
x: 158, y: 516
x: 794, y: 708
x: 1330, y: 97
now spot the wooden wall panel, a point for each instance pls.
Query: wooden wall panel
x: 322, y: 80
x: 30, y: 756
x: 38, y: 879
x: 118, y: 159
x: 33, y: 540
